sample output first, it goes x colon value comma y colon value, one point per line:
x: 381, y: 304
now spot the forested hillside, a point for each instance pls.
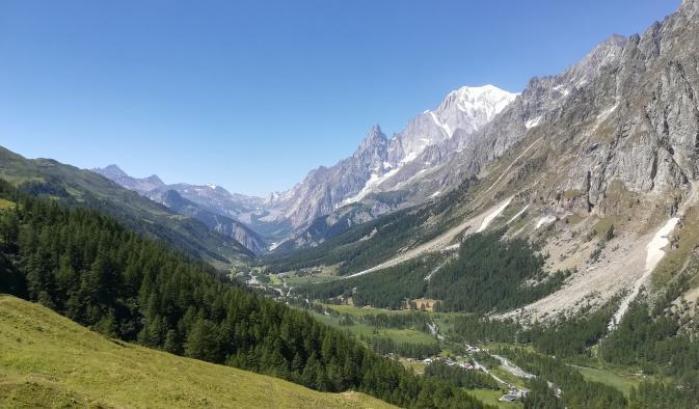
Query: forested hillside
x: 89, y: 268
x: 488, y: 273
x: 367, y: 244
x: 81, y: 188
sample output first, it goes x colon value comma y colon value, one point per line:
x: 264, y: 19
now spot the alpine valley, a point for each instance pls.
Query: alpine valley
x: 527, y: 250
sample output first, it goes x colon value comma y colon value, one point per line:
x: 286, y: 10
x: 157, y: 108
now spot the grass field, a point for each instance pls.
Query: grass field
x: 415, y: 365
x: 398, y: 335
x: 295, y: 281
x: 624, y: 383
x: 47, y: 361
x: 492, y: 397
x: 361, y: 311
x: 366, y: 310
x: 508, y: 377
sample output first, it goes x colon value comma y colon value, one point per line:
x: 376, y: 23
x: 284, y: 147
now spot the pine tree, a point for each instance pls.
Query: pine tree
x: 201, y: 341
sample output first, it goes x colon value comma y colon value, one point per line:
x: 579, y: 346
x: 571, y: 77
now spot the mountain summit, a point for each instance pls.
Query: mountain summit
x: 140, y: 185
x: 479, y: 105
x: 381, y: 163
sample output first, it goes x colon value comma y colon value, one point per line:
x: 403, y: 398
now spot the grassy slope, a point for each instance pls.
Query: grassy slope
x: 492, y: 397
x: 399, y: 335
x: 47, y: 361
x: 622, y: 382
x: 6, y: 204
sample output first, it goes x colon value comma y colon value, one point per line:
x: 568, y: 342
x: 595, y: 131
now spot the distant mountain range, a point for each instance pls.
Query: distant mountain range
x: 355, y: 184
x: 214, y: 206
x: 75, y: 187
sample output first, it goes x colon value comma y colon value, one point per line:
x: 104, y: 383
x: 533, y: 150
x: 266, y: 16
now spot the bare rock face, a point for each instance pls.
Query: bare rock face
x: 642, y: 114
x: 214, y: 221
x: 323, y: 188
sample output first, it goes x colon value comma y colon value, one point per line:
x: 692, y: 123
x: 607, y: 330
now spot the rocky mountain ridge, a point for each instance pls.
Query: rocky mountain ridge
x: 213, y: 205
x: 381, y: 162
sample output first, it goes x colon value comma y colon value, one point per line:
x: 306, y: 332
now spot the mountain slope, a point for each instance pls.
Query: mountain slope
x: 213, y: 205
x: 218, y: 223
x: 114, y: 173
x: 442, y: 166
x: 597, y: 165
x: 76, y: 187
x: 39, y: 350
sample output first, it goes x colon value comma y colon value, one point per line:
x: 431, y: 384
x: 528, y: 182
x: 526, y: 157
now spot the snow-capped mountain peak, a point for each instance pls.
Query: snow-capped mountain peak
x: 487, y: 98
x: 479, y: 105
x: 381, y: 163
x: 467, y: 109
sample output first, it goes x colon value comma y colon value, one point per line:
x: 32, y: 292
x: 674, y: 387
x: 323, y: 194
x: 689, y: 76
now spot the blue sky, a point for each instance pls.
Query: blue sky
x: 253, y: 94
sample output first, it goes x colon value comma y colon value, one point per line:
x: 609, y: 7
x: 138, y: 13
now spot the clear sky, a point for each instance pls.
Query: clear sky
x: 252, y: 94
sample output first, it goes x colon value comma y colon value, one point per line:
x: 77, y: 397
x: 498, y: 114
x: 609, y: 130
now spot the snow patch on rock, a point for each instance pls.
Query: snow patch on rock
x: 445, y: 127
x: 544, y: 221
x: 374, y: 181
x: 495, y: 213
x: 533, y: 122
x: 654, y: 253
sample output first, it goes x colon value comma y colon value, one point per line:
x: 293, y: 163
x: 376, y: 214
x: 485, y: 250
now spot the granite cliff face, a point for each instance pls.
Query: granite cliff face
x: 632, y: 124
x: 647, y: 117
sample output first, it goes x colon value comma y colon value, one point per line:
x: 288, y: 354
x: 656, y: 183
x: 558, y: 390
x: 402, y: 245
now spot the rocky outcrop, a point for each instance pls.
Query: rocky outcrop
x: 638, y: 122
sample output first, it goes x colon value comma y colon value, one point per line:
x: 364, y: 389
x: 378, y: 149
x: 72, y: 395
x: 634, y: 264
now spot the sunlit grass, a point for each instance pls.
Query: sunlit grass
x: 49, y: 361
